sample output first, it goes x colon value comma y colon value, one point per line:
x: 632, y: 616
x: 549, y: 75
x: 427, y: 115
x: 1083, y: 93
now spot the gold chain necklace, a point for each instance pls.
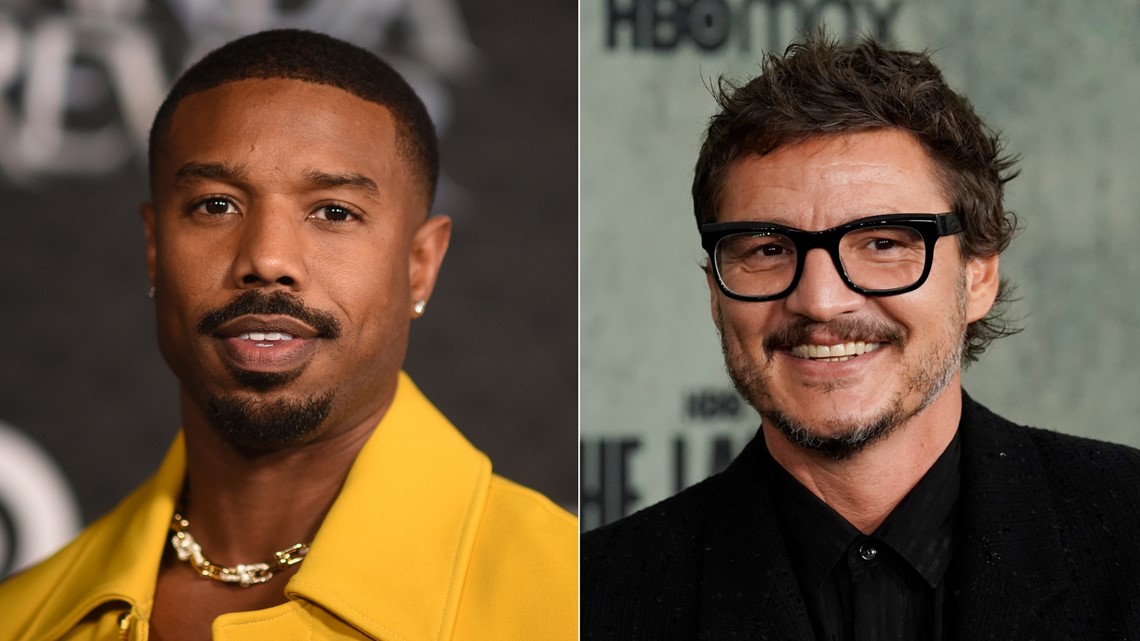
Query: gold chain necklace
x: 243, y: 574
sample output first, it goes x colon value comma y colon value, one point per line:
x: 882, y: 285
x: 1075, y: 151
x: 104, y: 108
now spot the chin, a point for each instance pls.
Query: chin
x: 254, y: 422
x: 837, y: 437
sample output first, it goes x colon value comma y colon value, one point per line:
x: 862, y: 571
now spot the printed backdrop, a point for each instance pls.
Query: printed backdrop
x: 86, y: 404
x: 1061, y: 79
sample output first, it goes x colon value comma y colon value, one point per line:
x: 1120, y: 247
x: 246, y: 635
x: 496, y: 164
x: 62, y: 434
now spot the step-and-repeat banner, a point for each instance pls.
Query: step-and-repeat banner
x: 87, y: 406
x: 1061, y: 79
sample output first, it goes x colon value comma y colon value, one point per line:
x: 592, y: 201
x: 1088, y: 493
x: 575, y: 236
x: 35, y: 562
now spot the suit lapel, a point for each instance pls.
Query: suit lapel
x: 748, y: 589
x: 1009, y: 554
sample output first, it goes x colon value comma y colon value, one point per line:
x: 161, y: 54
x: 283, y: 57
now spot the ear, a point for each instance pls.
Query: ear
x: 982, y: 280
x: 146, y: 210
x: 429, y: 244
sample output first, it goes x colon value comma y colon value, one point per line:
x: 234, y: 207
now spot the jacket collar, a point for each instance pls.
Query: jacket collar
x: 746, y: 592
x: 390, y: 557
x: 116, y: 559
x: 392, y: 554
x: 1009, y: 554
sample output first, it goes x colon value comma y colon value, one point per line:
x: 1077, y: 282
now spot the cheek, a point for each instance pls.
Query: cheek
x: 187, y: 278
x: 370, y: 294
x: 747, y: 324
x: 934, y: 312
x: 366, y: 284
x: 189, y: 258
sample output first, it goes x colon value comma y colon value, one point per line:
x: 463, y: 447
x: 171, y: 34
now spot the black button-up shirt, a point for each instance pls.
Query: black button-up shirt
x: 872, y: 588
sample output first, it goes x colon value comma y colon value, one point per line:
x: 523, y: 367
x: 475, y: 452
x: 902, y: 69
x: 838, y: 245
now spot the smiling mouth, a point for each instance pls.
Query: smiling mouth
x: 834, y: 353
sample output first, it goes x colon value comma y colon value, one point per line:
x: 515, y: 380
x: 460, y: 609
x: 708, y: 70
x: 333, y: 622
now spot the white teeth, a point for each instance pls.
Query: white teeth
x: 259, y: 337
x: 834, y: 353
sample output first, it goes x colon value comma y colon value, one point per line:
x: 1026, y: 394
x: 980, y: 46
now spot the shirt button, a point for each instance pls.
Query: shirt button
x: 868, y: 551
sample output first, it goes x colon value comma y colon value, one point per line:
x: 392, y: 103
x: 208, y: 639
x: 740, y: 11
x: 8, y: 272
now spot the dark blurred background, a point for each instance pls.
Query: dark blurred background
x: 85, y: 397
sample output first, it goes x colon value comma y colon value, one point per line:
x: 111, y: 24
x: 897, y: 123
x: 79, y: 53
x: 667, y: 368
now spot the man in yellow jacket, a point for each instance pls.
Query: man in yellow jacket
x: 313, y: 492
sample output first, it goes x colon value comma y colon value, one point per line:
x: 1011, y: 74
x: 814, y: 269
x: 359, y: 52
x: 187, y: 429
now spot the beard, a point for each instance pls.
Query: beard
x: 840, y: 438
x: 249, y: 420
x: 258, y: 424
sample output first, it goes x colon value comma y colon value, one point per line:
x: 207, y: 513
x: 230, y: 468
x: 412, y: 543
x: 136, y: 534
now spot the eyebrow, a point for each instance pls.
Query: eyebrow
x: 192, y: 171
x: 352, y: 180
x: 210, y: 171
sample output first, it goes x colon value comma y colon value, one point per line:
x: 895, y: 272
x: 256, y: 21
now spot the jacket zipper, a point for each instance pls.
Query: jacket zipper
x: 125, y: 626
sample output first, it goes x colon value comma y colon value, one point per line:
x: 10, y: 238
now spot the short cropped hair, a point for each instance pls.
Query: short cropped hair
x: 308, y: 56
x: 820, y: 87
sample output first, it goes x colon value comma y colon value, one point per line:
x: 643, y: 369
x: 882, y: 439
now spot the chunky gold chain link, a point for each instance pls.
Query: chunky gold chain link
x: 244, y: 574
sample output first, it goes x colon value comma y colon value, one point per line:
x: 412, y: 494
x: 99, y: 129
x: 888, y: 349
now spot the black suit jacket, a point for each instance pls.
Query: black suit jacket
x: 1046, y: 547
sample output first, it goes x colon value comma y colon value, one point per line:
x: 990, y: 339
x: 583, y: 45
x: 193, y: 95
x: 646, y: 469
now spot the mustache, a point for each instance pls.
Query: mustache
x: 800, y: 331
x: 278, y: 303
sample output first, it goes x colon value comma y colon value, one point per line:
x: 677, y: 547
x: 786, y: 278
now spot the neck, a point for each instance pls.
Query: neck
x: 243, y: 505
x: 867, y: 486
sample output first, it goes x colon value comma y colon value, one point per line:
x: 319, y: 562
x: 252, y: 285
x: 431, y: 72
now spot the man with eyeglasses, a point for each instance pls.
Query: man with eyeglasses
x: 850, y: 204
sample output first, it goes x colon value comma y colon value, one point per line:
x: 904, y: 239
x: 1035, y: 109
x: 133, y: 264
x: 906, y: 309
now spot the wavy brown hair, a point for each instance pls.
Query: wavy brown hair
x: 821, y: 87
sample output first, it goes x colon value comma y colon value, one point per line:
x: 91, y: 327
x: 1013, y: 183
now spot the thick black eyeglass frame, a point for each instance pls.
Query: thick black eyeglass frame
x: 930, y: 226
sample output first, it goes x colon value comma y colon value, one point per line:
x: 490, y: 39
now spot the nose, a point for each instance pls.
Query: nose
x: 269, y: 252
x: 821, y: 294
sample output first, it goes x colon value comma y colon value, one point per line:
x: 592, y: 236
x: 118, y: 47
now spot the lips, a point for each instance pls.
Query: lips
x: 269, y: 324
x: 267, y: 343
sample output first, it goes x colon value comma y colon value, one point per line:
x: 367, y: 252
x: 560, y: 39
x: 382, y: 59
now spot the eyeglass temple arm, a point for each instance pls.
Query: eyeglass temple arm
x: 950, y: 224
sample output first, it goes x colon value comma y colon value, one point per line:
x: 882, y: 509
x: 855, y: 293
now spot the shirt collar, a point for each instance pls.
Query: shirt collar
x: 920, y: 528
x: 817, y: 536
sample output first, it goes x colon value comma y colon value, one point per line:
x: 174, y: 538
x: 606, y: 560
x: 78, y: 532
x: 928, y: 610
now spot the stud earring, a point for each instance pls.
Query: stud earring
x: 418, y: 307
x: 150, y: 293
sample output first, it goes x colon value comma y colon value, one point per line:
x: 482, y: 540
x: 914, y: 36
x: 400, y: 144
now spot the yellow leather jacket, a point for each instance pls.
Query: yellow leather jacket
x: 423, y: 543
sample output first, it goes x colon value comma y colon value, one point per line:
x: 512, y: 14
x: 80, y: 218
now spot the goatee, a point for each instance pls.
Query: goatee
x: 248, y: 420
x: 257, y: 424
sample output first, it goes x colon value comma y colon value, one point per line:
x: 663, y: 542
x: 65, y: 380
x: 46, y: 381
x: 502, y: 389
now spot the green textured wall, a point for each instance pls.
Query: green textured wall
x: 1060, y: 79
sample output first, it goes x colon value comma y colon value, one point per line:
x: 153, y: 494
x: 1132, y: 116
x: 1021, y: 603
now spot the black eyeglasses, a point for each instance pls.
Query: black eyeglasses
x: 880, y: 255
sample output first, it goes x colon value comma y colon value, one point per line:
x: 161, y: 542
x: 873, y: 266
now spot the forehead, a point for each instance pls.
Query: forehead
x: 283, y: 127
x: 827, y: 181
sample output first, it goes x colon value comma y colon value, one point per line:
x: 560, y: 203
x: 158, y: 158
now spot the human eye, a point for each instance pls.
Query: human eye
x: 759, y: 251
x: 213, y: 206
x: 334, y: 213
x: 884, y: 243
x: 771, y: 250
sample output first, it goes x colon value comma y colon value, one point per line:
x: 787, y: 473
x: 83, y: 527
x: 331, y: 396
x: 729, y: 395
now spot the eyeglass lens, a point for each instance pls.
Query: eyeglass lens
x: 875, y: 258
